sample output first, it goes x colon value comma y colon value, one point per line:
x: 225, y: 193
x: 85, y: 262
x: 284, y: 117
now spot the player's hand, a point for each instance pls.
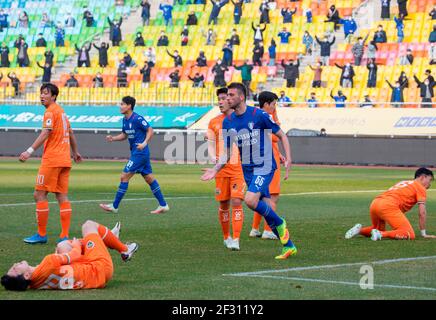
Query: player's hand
x: 288, y: 168
x: 109, y: 138
x: 429, y: 236
x: 77, y: 157
x: 282, y: 159
x: 141, y: 146
x: 76, y: 243
x: 24, y: 156
x: 209, y: 174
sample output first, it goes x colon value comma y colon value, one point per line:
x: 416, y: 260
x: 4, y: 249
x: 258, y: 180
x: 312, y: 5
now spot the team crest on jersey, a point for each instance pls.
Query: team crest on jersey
x: 48, y: 123
x: 130, y: 125
x: 90, y: 244
x: 217, y: 191
x: 251, y: 125
x: 235, y: 186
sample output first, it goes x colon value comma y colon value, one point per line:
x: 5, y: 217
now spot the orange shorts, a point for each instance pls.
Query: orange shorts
x: 98, y: 259
x: 383, y: 211
x: 274, y: 186
x: 53, y: 179
x: 229, y: 187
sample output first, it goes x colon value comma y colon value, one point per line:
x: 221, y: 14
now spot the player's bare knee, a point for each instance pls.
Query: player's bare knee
x: 251, y: 201
x: 148, y: 178
x: 61, y: 197
x: 236, y: 202
x: 39, y: 196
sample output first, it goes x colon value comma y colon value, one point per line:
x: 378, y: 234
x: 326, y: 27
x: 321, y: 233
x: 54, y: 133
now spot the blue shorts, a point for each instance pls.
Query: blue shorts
x: 258, y: 183
x: 138, y: 164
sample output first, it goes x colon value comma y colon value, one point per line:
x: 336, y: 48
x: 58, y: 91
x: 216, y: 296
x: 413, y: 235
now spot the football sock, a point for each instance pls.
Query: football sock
x: 366, y: 231
x: 122, y: 189
x: 110, y: 240
x: 224, y: 218
x: 42, y: 211
x: 400, y: 234
x: 257, y: 218
x: 65, y: 213
x: 155, y: 188
x: 269, y: 214
x: 237, y: 221
x: 266, y: 226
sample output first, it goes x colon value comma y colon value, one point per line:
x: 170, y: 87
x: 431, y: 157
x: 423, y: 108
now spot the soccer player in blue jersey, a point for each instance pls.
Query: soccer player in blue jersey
x: 251, y: 128
x: 139, y: 133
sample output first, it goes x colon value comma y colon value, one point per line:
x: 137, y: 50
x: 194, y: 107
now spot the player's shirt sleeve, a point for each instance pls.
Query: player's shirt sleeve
x: 269, y: 122
x: 48, y: 120
x: 122, y: 127
x: 211, y: 133
x: 142, y: 124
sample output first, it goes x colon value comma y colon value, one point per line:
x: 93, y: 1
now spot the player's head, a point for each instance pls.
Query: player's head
x: 18, y: 277
x: 267, y: 101
x: 127, y: 104
x: 424, y: 176
x: 236, y: 95
x: 223, y: 104
x: 49, y: 93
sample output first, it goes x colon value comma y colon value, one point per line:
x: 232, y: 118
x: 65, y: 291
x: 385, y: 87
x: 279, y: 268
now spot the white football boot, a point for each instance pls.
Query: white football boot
x: 354, y: 231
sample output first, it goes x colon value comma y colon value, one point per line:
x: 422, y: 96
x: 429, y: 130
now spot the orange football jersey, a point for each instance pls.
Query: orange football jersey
x: 405, y: 195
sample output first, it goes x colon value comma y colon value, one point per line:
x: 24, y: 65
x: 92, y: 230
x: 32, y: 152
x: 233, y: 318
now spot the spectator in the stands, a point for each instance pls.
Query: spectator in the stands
x: 49, y: 57
x: 397, y: 97
x: 426, y: 91
x: 4, y: 54
x: 291, y: 73
x: 102, y: 54
x: 287, y: 14
x: 284, y: 100
x: 272, y: 53
x: 403, y: 80
x: 201, y: 60
x: 46, y: 76
x: 258, y: 32
x: 128, y: 60
x: 198, y: 80
x: 372, y: 74
x: 70, y: 22
x: 184, y: 36
x: 308, y: 42
x: 385, y: 9
x: 216, y: 8
x: 115, y: 34
x: 45, y: 21
x: 175, y: 79
x: 210, y: 37
x: 83, y: 57
x: 367, y: 102
x: 372, y: 50
x: 309, y: 15
x: 228, y: 53
x: 3, y: 20
x: 316, y: 83
x: 88, y: 17
x: 429, y: 76
x: 325, y: 45
x: 122, y: 75
x: 146, y: 74
x: 246, y: 71
x: 98, y: 81
x: 237, y: 10
x: 162, y: 41
x: 333, y: 16
x: 284, y: 36
x: 59, y: 36
x: 234, y: 39
x: 72, y: 81
x: 22, y: 56
x: 432, y: 13
x: 150, y: 56
x: 350, y: 27
x: 192, y: 19
x: 264, y: 12
x: 219, y: 70
x: 339, y: 99
x: 402, y: 7
x: 23, y: 20
x: 145, y: 12
x: 358, y: 50
x: 312, y: 102
x: 399, y: 23
x: 178, y: 61
x: 258, y: 52
x: 15, y: 82
x: 347, y: 75
x: 41, y: 42
x: 139, y: 40
x: 167, y: 11
x: 407, y: 59
x: 432, y: 37
x: 380, y: 35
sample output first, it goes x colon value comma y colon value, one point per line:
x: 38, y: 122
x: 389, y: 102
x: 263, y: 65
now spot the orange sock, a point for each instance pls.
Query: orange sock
x: 237, y: 221
x: 257, y: 218
x: 224, y: 217
x: 110, y: 240
x: 366, y: 231
x: 65, y: 213
x: 42, y: 211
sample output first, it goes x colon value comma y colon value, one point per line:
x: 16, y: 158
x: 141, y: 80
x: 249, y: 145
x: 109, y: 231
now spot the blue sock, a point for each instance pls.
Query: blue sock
x: 269, y: 214
x: 122, y: 189
x: 155, y: 188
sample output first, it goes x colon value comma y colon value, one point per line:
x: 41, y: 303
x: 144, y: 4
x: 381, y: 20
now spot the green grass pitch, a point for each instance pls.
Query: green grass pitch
x: 182, y: 255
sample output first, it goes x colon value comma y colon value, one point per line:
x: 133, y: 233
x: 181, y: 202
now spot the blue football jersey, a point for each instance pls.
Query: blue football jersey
x: 136, y: 129
x: 251, y: 132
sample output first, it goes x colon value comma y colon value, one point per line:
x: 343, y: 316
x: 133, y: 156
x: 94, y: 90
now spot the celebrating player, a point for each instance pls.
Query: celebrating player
x: 77, y: 264
x: 268, y: 103
x: 250, y: 129
x: 230, y: 185
x: 57, y: 137
x: 139, y: 133
x: 391, y: 206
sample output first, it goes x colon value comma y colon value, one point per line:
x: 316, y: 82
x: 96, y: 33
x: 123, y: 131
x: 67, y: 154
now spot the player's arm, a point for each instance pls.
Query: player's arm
x: 210, y: 173
x: 211, y: 144
x: 287, y: 147
x: 422, y: 211
x: 71, y: 256
x: 45, y: 133
x: 73, y: 142
x: 141, y: 146
x: 121, y: 137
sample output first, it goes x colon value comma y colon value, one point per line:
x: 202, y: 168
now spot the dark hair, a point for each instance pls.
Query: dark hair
x: 53, y: 89
x: 240, y: 87
x: 266, y: 97
x: 18, y: 283
x: 223, y: 90
x: 129, y: 101
x: 423, y: 172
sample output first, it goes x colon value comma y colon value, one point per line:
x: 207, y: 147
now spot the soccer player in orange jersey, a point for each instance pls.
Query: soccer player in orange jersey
x: 268, y: 102
x: 77, y: 264
x: 57, y: 137
x: 230, y: 184
x: 391, y: 206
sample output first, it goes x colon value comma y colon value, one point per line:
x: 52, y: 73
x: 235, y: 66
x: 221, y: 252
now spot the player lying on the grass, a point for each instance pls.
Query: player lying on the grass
x: 138, y: 131
x: 391, y: 206
x: 58, y: 138
x: 229, y: 182
x: 250, y: 129
x: 77, y: 264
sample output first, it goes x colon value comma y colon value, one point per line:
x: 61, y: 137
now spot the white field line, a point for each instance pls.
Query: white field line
x: 199, y: 197
x: 344, y: 282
